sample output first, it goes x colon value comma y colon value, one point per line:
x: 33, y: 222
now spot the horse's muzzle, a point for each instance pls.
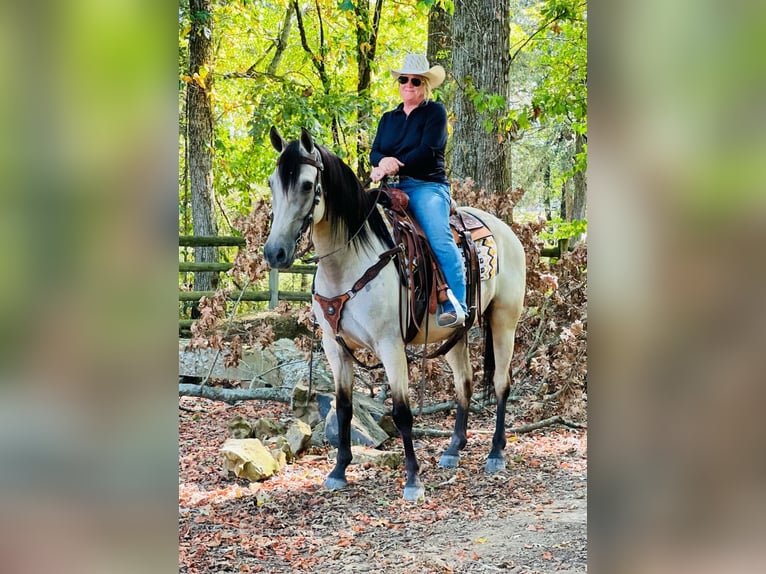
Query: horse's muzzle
x: 278, y: 254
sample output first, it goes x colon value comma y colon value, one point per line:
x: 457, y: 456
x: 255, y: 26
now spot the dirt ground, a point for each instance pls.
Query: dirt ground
x: 530, y: 518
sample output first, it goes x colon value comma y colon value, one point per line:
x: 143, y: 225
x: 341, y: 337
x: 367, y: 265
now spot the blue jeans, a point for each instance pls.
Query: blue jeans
x: 429, y: 203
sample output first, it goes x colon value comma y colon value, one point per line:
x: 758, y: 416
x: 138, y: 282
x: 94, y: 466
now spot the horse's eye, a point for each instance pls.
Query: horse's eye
x: 307, y: 187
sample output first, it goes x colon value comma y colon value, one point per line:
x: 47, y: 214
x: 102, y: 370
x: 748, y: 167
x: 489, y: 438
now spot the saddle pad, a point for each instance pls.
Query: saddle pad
x: 486, y: 249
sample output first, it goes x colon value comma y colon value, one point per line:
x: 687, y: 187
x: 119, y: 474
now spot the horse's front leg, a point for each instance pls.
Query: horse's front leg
x: 395, y: 362
x: 343, y: 374
x: 460, y: 363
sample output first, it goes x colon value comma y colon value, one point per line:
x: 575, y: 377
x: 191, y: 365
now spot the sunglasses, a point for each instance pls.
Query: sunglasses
x: 404, y: 79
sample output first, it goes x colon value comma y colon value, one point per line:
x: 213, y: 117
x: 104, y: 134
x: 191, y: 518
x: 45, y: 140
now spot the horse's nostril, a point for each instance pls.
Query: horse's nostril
x: 275, y: 256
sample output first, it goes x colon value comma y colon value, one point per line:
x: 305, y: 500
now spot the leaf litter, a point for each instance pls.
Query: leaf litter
x: 527, y: 519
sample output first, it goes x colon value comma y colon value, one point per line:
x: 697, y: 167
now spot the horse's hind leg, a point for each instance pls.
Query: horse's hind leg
x: 502, y: 343
x: 460, y: 364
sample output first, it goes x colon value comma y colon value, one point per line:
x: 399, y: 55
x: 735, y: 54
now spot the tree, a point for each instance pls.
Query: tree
x: 480, y: 67
x: 200, y: 123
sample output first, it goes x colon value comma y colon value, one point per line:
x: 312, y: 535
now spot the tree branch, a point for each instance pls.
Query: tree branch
x: 233, y: 396
x: 421, y: 432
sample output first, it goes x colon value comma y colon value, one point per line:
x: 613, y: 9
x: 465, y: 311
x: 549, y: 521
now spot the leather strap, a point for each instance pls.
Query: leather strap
x: 332, y: 307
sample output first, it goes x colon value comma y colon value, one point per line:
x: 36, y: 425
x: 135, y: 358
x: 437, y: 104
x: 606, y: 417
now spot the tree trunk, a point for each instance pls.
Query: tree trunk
x: 579, y: 184
x: 481, y: 29
x: 577, y: 190
x: 439, y: 37
x: 200, y: 139
x: 440, y: 52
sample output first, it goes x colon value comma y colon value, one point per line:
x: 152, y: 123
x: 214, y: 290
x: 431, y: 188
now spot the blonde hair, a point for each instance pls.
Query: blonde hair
x: 427, y: 87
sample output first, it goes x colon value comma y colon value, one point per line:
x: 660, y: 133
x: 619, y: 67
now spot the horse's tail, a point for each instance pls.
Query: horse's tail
x: 489, y: 358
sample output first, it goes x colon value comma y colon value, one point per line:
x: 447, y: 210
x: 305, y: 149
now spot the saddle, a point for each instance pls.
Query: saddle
x: 418, y: 268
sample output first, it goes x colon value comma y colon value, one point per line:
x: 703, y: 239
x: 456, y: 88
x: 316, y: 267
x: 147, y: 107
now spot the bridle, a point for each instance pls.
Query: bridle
x: 308, y: 220
x: 315, y: 162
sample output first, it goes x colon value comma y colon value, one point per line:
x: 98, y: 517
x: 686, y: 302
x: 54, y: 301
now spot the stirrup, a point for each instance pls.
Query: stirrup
x: 455, y: 318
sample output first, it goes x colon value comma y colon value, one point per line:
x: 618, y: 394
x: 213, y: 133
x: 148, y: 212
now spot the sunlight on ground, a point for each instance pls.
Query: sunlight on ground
x: 305, y: 475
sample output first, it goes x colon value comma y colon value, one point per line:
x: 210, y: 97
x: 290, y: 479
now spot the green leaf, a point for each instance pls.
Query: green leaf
x: 346, y: 5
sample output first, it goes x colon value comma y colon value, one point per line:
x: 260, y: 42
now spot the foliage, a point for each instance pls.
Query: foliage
x: 259, y: 82
x: 549, y: 104
x: 557, y: 228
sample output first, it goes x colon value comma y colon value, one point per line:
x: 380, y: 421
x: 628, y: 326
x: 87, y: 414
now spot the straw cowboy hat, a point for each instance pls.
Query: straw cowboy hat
x: 417, y: 65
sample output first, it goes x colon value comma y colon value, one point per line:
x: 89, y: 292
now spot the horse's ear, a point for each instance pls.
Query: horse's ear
x: 306, y: 141
x: 276, y: 140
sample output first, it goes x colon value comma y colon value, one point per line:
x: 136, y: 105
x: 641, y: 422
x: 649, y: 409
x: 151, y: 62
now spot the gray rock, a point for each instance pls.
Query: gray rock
x: 298, y: 436
x: 265, y: 428
x: 364, y: 429
x: 280, y: 449
x: 317, y: 435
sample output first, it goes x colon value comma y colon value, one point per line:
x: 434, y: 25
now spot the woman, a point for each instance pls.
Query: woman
x: 410, y: 143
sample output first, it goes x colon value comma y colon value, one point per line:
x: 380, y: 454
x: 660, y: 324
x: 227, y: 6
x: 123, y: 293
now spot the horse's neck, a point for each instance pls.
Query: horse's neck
x: 340, y: 264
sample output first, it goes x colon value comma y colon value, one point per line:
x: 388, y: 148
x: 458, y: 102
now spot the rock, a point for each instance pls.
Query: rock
x: 324, y: 402
x: 317, y: 435
x: 364, y: 455
x: 238, y: 427
x: 373, y: 406
x: 380, y: 412
x: 248, y: 458
x: 294, y: 367
x: 258, y: 365
x: 317, y: 408
x: 265, y: 428
x: 280, y: 449
x: 387, y: 424
x: 298, y: 436
x: 364, y: 429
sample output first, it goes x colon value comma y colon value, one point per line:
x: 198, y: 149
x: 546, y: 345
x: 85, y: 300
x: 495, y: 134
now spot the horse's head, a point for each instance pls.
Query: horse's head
x: 296, y: 196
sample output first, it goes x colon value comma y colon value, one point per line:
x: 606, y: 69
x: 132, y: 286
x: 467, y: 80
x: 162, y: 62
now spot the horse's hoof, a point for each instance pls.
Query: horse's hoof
x: 494, y: 465
x: 414, y: 493
x: 335, y: 483
x: 449, y: 460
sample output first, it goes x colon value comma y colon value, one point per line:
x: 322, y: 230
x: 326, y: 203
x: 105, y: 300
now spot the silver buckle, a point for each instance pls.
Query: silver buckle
x: 392, y: 180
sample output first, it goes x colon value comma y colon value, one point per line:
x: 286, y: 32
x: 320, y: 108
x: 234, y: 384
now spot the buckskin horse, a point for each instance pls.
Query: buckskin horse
x: 314, y: 191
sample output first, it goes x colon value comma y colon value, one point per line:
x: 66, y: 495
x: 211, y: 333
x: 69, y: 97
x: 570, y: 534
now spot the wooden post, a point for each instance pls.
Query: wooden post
x: 273, y: 288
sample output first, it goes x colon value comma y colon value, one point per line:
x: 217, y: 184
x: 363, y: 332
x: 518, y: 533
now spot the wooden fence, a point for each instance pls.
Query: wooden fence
x: 273, y: 295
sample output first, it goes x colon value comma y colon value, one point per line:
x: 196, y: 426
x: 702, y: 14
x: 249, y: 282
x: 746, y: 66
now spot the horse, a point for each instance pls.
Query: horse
x: 314, y: 191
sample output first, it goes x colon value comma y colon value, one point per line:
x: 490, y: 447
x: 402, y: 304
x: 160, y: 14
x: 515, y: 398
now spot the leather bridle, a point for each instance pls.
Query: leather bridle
x: 316, y: 162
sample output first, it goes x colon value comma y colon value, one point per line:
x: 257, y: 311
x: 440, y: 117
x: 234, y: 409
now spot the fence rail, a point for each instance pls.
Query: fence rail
x: 273, y: 295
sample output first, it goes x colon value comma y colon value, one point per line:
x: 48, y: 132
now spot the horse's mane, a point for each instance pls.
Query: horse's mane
x: 348, y: 205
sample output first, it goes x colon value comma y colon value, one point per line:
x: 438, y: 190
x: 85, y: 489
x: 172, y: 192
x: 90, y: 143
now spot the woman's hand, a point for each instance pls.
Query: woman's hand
x: 386, y: 166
